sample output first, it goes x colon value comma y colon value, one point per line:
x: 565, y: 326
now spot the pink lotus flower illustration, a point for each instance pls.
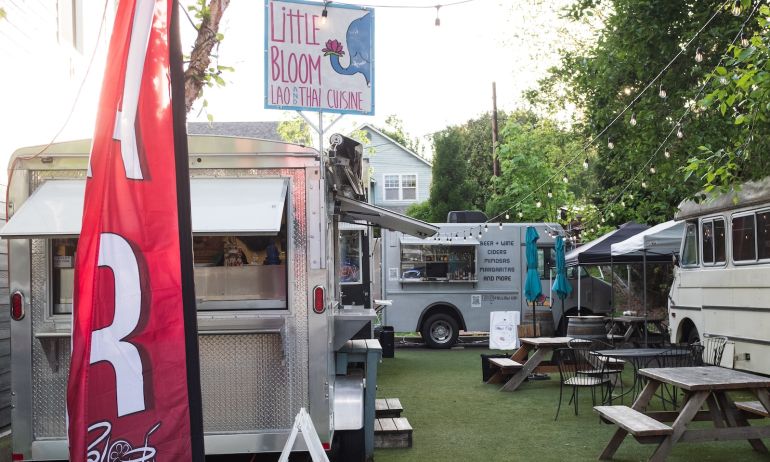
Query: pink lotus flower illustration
x: 333, y: 47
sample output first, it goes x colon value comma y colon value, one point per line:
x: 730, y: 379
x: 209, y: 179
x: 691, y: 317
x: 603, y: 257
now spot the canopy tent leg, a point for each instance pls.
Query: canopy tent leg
x: 644, y: 292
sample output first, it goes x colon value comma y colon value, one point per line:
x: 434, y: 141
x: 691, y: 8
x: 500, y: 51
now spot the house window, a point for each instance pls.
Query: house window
x: 400, y: 187
x: 408, y: 187
x: 392, y: 186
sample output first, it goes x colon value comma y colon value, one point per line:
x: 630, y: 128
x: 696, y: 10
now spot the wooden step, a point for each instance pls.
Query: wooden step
x: 392, y: 433
x: 753, y: 407
x: 634, y: 422
x: 388, y: 407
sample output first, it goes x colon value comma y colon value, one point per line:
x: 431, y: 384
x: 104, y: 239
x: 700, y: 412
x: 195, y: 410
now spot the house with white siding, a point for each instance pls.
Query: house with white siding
x: 399, y: 177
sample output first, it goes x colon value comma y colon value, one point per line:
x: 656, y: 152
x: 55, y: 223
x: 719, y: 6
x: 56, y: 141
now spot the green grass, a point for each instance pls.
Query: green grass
x: 456, y: 417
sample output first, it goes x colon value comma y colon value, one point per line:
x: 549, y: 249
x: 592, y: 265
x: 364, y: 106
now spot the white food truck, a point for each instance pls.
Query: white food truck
x: 273, y: 336
x: 440, y: 286
x: 722, y: 283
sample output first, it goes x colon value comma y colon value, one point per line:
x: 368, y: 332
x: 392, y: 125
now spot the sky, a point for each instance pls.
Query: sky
x: 430, y: 77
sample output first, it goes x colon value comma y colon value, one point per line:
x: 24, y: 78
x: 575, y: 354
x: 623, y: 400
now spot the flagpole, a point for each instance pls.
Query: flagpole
x: 185, y: 239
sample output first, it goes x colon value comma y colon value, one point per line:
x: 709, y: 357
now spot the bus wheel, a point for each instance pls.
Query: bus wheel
x: 692, y: 335
x: 440, y: 331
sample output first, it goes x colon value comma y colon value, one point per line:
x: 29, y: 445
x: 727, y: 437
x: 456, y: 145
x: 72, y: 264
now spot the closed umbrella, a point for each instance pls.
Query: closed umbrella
x: 532, y: 288
x: 561, y: 286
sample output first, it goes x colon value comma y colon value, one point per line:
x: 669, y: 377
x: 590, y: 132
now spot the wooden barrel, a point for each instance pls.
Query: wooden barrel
x: 587, y: 327
x: 543, y: 321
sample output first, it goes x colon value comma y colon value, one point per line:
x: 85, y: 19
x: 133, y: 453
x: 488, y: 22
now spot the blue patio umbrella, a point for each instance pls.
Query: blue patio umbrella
x: 561, y: 286
x: 532, y: 287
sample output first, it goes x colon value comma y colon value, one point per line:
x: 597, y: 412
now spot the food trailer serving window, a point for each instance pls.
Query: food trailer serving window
x: 427, y: 260
x: 350, y: 253
x: 239, y: 241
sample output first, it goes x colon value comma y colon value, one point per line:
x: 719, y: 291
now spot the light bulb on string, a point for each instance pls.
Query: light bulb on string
x: 538, y: 204
x: 486, y: 228
x: 644, y: 184
x: 662, y: 91
x: 521, y: 214
x: 479, y: 233
x: 464, y: 237
x: 610, y: 145
x: 652, y: 169
x: 603, y: 220
x: 507, y: 217
x: 667, y: 154
x: 612, y: 214
x: 744, y: 41
x: 623, y: 204
x: 633, y: 120
x: 550, y: 194
x: 723, y: 80
x: 324, y: 14
x: 565, y: 179
x: 698, y: 56
x: 437, y: 22
x: 501, y: 226
x: 736, y: 8
x: 679, y: 132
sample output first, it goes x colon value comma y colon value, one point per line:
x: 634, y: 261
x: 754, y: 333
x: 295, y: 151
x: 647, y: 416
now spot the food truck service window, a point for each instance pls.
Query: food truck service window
x: 63, y: 274
x: 350, y: 257
x: 428, y: 260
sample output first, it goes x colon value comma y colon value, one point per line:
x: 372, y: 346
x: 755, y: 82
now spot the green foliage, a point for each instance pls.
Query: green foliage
x: 421, y: 211
x: 739, y: 91
x: 295, y: 130
x: 450, y: 189
x: 639, y: 38
x: 534, y: 153
x: 3, y: 14
x: 394, y: 128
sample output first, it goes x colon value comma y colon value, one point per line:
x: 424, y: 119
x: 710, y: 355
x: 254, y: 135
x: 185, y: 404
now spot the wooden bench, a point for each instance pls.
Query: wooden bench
x: 506, y: 365
x: 392, y: 433
x: 388, y: 407
x: 643, y: 427
x: 752, y: 407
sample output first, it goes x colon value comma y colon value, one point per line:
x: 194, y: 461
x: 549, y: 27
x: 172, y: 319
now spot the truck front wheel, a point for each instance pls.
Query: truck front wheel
x: 440, y: 331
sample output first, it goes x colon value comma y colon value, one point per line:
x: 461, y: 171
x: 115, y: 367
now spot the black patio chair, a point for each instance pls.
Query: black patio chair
x: 713, y: 348
x: 602, y: 364
x: 678, y: 355
x: 576, y: 372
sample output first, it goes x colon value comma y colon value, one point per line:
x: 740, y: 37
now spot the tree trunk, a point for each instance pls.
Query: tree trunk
x: 200, y: 57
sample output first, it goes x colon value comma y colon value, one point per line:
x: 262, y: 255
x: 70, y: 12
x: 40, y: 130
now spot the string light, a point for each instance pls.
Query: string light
x: 550, y: 194
x: 479, y: 233
x: 667, y: 154
x: 507, y: 217
x: 662, y: 92
x: 486, y: 228
x: 324, y: 14
x: 698, y: 56
x: 464, y: 237
x: 736, y: 8
x: 501, y: 226
x: 521, y: 214
x: 623, y: 204
x: 612, y: 214
x: 633, y: 120
x: 744, y: 41
x: 565, y: 179
x: 610, y: 145
x: 438, y: 20
x: 652, y: 169
x: 644, y: 184
x: 679, y: 132
x: 538, y: 204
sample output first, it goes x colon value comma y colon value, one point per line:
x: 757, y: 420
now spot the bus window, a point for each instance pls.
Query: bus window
x: 763, y: 235
x: 708, y: 242
x: 744, y: 246
x: 690, y: 249
x: 720, y: 247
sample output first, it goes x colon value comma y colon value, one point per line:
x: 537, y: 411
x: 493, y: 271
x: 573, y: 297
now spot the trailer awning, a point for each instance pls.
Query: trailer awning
x: 234, y: 206
x: 353, y: 210
x: 410, y: 240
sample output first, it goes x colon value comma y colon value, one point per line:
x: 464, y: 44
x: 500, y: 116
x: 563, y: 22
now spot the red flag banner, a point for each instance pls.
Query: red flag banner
x: 128, y: 397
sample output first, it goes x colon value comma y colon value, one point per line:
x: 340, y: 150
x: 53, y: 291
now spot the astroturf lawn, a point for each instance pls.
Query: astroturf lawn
x: 456, y: 417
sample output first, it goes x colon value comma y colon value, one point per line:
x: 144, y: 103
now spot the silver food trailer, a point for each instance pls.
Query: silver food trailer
x: 273, y: 336
x: 443, y: 285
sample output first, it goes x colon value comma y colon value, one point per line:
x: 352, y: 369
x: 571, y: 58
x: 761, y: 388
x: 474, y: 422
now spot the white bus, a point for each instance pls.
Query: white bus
x: 722, y: 283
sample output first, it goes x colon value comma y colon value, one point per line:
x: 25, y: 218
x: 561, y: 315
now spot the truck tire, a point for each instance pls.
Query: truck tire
x: 440, y: 331
x: 348, y: 446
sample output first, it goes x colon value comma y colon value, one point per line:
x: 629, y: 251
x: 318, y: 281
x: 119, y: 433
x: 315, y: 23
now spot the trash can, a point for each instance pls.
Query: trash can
x: 486, y: 372
x: 387, y: 342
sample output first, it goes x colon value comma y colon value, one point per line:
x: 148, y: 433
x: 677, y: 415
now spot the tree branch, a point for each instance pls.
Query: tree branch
x: 200, y: 57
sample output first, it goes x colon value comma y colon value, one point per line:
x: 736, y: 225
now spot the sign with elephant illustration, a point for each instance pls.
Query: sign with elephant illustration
x: 319, y: 57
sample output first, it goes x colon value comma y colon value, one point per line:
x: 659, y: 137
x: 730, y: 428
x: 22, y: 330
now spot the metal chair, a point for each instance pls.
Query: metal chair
x: 713, y: 348
x: 678, y: 355
x: 576, y: 372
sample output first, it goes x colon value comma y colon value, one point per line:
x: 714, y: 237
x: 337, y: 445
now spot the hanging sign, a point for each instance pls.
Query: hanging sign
x: 319, y: 57
x: 133, y: 391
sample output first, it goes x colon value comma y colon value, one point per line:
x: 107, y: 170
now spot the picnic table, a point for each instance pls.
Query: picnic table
x: 521, y: 364
x: 702, y: 386
x: 639, y: 358
x: 631, y: 329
